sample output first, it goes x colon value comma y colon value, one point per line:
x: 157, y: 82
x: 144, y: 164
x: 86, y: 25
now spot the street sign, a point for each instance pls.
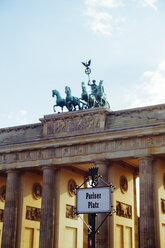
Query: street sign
x: 93, y: 200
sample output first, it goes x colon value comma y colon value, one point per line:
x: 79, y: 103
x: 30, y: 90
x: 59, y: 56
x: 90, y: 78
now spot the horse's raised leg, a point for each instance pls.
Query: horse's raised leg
x: 69, y: 106
x: 54, y: 108
x: 79, y: 107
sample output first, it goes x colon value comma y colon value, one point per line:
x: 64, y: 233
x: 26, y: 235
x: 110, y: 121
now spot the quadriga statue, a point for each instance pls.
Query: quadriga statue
x: 95, y: 98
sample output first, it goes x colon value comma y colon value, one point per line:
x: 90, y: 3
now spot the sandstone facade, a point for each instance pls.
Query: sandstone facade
x: 62, y: 147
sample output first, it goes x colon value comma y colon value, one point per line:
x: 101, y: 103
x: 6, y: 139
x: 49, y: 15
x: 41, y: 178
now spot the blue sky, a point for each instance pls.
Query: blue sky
x: 42, y: 44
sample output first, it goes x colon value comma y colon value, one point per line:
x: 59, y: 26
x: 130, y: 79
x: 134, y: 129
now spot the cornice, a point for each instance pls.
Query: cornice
x: 21, y: 127
x: 81, y: 113
x: 88, y: 128
x: 95, y: 137
x: 74, y: 114
x: 139, y: 109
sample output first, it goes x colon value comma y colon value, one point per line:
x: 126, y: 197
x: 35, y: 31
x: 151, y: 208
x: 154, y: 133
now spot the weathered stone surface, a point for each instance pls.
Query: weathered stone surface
x: 136, y: 117
x: 76, y: 140
x: 84, y: 121
x: 20, y: 134
x: 72, y: 123
x: 147, y: 231
x: 94, y: 147
x: 47, y: 209
x: 102, y: 236
x: 11, y: 209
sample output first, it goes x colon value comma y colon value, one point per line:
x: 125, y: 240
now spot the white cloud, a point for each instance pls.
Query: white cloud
x: 99, y: 15
x: 151, y: 88
x: 104, y: 3
x: 19, y: 118
x: 99, y: 19
x: 100, y: 27
x: 150, y: 3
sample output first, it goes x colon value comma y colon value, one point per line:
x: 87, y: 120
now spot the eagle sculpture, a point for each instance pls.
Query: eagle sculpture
x: 87, y: 64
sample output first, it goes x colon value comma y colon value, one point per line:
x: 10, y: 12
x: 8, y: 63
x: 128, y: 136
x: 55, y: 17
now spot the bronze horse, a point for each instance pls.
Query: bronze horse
x: 88, y: 98
x: 61, y: 102
x: 95, y: 99
x: 72, y: 101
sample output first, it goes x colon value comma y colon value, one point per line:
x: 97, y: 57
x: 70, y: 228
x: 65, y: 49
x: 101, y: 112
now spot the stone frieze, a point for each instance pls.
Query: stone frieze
x: 74, y: 122
x: 123, y: 210
x: 127, y: 144
x: 33, y: 213
x: 71, y: 212
x: 163, y: 206
x: 73, y: 125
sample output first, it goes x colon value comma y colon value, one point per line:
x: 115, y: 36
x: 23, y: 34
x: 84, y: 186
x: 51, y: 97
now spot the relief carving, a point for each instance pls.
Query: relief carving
x: 71, y: 212
x: 60, y: 127
x: 83, y: 149
x: 65, y: 152
x: 50, y: 154
x: 164, y: 180
x: 71, y: 187
x: 163, y: 206
x: 3, y: 193
x: 39, y: 154
x: 149, y: 141
x: 33, y: 213
x: 50, y: 129
x: 123, y: 210
x: 37, y: 191
x: 123, y: 184
x: 1, y: 215
x: 72, y: 125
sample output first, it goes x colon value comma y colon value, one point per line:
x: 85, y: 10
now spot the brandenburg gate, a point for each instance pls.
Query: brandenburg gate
x: 41, y: 164
x: 53, y: 155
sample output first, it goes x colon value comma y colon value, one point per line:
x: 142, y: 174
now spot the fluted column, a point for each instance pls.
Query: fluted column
x: 47, y: 209
x: 102, y: 236
x: 147, y: 234
x: 11, y: 209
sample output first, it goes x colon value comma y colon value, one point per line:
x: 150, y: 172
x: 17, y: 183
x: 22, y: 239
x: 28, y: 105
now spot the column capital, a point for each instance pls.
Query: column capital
x: 16, y: 171
x: 101, y: 162
x: 136, y: 174
x: 48, y: 167
x: 146, y: 158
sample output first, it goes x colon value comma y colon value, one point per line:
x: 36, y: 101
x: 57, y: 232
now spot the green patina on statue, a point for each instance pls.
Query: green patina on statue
x: 94, y: 99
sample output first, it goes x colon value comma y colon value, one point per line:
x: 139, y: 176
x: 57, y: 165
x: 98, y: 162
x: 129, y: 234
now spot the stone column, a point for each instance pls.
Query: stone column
x: 57, y: 207
x: 147, y: 234
x: 102, y: 236
x: 11, y: 209
x: 47, y: 209
x: 135, y: 210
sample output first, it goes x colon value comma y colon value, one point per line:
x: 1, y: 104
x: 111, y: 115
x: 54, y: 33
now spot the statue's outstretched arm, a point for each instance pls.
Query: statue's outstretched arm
x: 89, y: 83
